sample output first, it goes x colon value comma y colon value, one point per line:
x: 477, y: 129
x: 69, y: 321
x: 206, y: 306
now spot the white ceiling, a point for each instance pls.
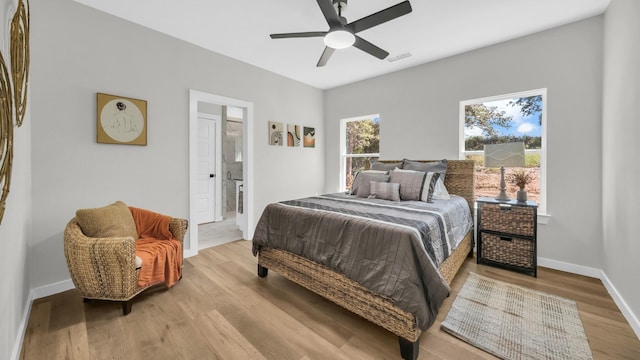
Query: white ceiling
x: 435, y: 29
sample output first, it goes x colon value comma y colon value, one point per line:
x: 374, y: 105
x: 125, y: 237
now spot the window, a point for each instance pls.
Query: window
x: 502, y: 119
x: 360, y: 144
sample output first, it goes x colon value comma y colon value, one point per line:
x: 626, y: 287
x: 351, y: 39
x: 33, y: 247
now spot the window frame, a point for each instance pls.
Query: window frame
x: 343, y: 147
x: 542, y: 208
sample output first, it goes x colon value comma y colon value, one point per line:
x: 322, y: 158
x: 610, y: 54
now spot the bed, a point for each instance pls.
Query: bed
x: 304, y: 241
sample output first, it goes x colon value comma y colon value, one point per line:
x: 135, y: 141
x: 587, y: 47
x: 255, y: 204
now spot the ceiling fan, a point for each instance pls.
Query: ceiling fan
x: 341, y: 34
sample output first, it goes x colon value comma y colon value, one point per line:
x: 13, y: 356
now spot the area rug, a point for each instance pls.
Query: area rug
x: 513, y: 322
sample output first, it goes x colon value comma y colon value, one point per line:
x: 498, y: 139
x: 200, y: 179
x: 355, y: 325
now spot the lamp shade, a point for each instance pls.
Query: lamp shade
x: 504, y: 155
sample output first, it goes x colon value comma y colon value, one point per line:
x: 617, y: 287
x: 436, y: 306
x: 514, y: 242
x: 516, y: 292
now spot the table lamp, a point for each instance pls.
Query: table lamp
x: 504, y: 155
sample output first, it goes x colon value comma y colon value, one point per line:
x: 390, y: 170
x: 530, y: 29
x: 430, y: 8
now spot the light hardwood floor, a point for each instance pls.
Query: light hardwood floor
x: 222, y: 310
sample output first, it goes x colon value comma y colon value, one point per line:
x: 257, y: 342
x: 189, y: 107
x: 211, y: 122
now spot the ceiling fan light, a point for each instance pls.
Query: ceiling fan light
x: 339, y: 39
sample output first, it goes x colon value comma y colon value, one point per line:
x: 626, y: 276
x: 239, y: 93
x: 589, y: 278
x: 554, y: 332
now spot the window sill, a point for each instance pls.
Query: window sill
x: 543, y: 219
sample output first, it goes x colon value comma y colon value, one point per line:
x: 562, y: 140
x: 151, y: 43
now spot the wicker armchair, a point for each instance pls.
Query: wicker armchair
x: 105, y: 268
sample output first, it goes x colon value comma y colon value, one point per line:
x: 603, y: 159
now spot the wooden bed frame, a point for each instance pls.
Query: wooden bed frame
x: 380, y: 310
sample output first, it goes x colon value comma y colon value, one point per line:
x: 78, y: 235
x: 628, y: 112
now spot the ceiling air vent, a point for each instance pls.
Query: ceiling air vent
x: 399, y: 57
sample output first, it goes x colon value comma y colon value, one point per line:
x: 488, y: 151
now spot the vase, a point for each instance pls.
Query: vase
x: 521, y: 195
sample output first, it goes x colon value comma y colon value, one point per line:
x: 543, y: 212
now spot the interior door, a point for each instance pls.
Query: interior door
x: 206, y: 199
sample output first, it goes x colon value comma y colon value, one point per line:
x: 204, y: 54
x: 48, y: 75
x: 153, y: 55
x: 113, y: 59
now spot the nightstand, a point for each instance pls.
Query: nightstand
x: 507, y: 232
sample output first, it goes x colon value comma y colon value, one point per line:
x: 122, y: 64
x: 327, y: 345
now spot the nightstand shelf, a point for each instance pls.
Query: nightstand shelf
x: 507, y: 234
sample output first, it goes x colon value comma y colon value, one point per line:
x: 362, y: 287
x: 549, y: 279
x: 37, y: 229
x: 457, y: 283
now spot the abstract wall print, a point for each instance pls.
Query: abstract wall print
x: 276, y: 130
x: 121, y: 120
x: 293, y: 135
x: 309, y: 137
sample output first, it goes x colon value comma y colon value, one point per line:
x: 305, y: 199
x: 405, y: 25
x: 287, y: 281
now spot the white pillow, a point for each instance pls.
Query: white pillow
x: 440, y: 191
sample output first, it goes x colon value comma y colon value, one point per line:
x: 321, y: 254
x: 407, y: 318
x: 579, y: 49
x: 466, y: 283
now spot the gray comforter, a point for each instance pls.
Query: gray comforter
x: 391, y: 248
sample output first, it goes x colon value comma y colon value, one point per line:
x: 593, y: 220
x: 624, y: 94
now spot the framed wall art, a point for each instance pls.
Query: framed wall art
x: 276, y: 130
x: 309, y: 137
x: 293, y: 135
x: 121, y: 120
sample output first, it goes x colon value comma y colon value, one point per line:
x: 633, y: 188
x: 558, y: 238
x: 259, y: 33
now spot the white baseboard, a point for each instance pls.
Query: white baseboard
x: 570, y: 268
x: 622, y: 305
x: 17, y: 346
x: 51, y: 289
x: 36, y: 293
x: 598, y: 274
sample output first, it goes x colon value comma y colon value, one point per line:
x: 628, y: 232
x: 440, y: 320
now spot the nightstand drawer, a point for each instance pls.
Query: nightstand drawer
x: 507, y: 250
x: 517, y: 220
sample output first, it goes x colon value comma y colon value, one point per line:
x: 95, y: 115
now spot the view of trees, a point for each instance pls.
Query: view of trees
x: 362, y: 137
x: 490, y: 118
x: 476, y: 143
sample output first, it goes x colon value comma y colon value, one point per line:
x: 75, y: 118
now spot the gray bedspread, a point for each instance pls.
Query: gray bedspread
x: 391, y: 248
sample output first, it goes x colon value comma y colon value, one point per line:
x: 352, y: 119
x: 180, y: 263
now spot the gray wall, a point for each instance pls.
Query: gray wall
x: 419, y: 119
x: 78, y: 51
x: 16, y: 223
x: 620, y: 145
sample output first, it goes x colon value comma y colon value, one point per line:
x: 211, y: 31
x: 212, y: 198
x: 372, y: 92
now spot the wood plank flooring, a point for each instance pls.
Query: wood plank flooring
x: 222, y: 310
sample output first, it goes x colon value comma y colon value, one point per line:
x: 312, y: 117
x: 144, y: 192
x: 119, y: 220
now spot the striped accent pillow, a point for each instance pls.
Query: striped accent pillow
x: 430, y: 184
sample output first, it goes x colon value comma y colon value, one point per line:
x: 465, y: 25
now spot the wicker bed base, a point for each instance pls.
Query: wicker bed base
x: 354, y: 297
x: 460, y: 180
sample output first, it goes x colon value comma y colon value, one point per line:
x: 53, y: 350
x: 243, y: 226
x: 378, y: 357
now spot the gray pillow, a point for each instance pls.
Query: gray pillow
x: 411, y: 183
x: 385, y: 191
x: 431, y: 166
x: 377, y: 165
x: 361, y: 184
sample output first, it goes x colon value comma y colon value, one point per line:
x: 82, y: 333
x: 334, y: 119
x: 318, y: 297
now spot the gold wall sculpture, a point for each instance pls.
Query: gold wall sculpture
x: 20, y: 59
x: 6, y: 135
x: 13, y: 93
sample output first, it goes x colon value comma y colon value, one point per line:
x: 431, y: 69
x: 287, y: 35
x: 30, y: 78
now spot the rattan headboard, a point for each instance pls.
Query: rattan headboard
x: 460, y: 179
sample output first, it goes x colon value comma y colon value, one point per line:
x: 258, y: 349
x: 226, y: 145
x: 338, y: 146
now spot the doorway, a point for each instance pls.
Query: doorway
x: 236, y: 140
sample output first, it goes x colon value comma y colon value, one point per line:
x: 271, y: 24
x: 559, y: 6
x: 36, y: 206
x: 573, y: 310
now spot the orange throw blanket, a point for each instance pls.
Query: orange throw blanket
x: 160, y: 252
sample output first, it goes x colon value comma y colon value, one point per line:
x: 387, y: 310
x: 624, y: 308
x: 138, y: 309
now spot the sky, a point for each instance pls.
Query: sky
x: 520, y: 125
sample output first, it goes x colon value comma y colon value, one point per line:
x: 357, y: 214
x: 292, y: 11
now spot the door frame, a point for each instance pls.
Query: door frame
x: 247, y: 164
x: 217, y: 182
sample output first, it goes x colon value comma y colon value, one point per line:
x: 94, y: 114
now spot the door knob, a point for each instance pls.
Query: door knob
x: 212, y: 175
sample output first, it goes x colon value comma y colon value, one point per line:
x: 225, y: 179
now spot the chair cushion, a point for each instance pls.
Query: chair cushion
x: 113, y: 220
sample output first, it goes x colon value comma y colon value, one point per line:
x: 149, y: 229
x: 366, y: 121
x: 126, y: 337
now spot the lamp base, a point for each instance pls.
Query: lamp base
x: 502, y: 196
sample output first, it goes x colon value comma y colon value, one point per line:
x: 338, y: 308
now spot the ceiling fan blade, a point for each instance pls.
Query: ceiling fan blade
x: 299, y: 35
x: 329, y: 13
x: 369, y: 48
x: 326, y: 54
x: 380, y: 17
